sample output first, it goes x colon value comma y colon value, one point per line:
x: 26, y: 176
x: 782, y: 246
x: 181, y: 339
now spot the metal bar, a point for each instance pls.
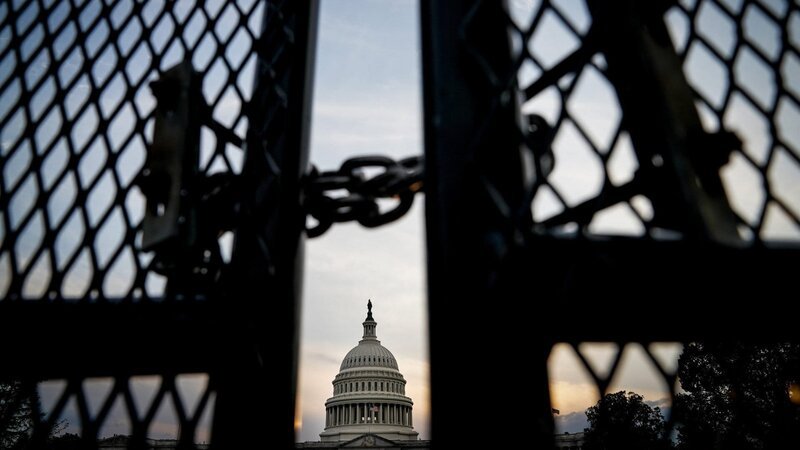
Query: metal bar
x: 266, y: 267
x: 109, y: 339
x: 606, y: 289
x: 571, y: 63
x: 583, y: 213
x: 471, y: 137
x: 184, y: 338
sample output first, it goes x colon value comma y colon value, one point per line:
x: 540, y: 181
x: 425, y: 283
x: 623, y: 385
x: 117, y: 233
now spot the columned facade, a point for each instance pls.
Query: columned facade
x: 369, y: 394
x: 369, y: 413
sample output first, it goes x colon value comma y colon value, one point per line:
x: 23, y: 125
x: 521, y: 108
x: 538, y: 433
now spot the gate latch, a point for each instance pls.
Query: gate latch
x: 187, y: 210
x: 172, y: 161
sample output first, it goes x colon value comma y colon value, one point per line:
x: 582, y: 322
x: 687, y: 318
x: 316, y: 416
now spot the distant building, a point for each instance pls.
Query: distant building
x: 567, y: 441
x: 118, y: 442
x: 369, y: 407
x: 368, y: 440
x: 369, y: 394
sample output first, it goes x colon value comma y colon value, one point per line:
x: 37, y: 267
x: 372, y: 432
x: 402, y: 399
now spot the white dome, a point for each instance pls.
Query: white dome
x: 369, y: 394
x: 369, y: 353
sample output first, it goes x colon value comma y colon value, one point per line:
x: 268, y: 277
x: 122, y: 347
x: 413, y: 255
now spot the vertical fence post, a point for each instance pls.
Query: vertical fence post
x: 256, y: 377
x: 474, y: 228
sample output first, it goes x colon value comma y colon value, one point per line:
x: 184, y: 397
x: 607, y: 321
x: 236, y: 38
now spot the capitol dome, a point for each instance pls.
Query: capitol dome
x: 369, y: 353
x: 368, y: 393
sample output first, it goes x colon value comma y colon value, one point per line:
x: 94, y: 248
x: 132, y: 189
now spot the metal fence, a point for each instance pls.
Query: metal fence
x: 586, y: 164
x: 601, y: 172
x: 113, y: 293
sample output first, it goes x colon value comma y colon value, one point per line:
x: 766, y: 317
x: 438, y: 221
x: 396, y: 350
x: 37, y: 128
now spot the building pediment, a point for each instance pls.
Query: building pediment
x: 369, y: 441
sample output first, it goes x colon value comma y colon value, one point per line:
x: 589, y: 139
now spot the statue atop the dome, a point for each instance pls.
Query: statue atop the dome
x: 369, y: 305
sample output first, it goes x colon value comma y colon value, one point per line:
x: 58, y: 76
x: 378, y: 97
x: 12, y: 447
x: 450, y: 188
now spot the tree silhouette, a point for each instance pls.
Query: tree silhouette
x: 16, y: 422
x: 622, y: 420
x: 16, y: 417
x: 739, y: 396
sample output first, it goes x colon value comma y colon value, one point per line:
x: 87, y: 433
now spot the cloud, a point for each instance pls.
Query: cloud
x: 663, y: 403
x: 574, y: 422
x: 354, y: 126
x: 570, y: 397
x: 322, y: 357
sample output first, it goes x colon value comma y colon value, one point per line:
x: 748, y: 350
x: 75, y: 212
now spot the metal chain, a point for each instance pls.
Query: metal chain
x: 398, y: 180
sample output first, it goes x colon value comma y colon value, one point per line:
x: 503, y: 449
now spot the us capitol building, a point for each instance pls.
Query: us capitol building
x: 369, y: 406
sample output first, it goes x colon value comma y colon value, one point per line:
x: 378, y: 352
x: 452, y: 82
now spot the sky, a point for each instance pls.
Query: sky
x: 367, y: 100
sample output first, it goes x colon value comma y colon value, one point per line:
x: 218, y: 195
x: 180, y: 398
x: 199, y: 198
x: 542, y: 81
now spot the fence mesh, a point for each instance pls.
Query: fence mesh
x: 76, y: 121
x: 741, y: 59
x: 76, y: 118
x: 586, y: 181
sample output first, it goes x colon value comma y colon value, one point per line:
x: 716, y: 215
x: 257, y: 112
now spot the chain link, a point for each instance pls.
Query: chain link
x: 398, y: 180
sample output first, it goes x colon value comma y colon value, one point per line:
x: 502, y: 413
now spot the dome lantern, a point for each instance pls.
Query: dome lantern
x: 369, y: 324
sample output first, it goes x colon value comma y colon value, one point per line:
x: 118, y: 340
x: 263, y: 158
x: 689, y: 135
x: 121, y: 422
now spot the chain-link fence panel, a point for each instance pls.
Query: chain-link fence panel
x: 598, y: 160
x: 740, y: 61
x: 741, y: 58
x: 76, y: 123
x: 106, y: 106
